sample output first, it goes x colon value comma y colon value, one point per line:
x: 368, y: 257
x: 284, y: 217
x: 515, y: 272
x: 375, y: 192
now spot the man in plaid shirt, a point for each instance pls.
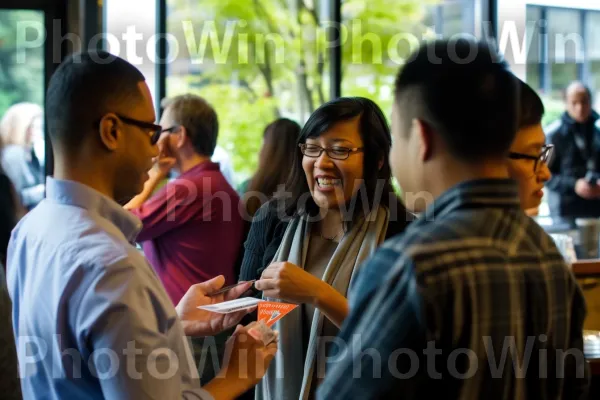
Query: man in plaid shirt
x: 473, y: 301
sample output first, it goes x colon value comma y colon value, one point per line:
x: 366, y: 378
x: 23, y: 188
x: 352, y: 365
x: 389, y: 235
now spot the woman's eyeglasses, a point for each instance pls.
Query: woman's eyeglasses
x: 336, y: 153
x: 545, y: 157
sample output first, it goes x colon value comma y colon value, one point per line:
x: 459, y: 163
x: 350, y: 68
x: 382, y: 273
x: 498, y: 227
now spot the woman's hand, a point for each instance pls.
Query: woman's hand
x: 286, y: 281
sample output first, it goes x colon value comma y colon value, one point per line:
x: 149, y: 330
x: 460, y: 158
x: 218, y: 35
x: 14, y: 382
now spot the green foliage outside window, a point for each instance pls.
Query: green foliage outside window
x: 252, y: 83
x: 20, y: 81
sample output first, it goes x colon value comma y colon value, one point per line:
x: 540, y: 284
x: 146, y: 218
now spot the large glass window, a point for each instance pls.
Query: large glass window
x: 381, y: 37
x: 565, y: 47
x: 592, y: 25
x: 253, y: 62
x: 130, y: 33
x: 535, y: 54
x: 22, y: 41
x: 21, y: 59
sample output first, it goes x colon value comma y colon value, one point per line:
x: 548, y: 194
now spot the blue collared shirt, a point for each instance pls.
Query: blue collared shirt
x: 438, y: 311
x: 90, y: 316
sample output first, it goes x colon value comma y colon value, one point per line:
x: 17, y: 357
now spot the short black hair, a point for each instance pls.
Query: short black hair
x: 199, y: 119
x: 83, y: 88
x: 531, y: 107
x: 375, y: 134
x: 465, y: 92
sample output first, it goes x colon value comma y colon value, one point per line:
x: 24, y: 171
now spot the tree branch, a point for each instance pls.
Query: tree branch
x: 260, y: 9
x: 244, y: 83
x: 320, y: 71
x: 312, y: 12
x: 267, y: 74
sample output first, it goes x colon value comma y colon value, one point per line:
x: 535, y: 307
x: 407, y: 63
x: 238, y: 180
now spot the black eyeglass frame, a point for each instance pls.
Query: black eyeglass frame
x: 328, y: 150
x: 156, y: 129
x: 545, y: 156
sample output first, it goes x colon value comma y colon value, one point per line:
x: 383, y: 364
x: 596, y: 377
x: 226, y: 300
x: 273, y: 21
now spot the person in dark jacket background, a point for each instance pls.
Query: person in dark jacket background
x: 574, y: 189
x: 10, y: 211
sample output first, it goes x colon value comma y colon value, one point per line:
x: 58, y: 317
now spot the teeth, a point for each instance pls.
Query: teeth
x: 328, y: 182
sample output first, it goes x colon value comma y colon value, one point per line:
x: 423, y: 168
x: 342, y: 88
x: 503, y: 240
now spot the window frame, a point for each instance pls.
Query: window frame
x: 53, y: 10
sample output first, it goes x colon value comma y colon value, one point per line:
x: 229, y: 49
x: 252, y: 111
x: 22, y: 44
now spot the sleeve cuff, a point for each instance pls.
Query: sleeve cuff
x: 197, y: 394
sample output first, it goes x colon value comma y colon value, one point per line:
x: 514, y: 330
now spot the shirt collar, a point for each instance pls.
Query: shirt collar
x: 80, y: 195
x: 203, y: 166
x: 480, y: 193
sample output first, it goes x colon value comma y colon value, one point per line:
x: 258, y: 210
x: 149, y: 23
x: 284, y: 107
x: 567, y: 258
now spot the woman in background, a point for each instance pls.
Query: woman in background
x: 10, y: 386
x: 274, y: 165
x: 21, y: 130
x: 9, y: 213
x: 10, y: 210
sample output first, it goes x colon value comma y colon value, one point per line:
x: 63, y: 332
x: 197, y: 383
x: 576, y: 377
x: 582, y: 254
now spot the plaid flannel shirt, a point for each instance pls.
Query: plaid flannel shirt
x: 473, y: 301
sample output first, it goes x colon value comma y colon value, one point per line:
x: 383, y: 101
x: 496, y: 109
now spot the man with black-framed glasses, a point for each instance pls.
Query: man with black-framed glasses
x: 82, y: 294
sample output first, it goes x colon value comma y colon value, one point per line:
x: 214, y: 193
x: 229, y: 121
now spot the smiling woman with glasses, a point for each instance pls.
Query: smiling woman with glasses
x: 338, y: 206
x: 529, y: 155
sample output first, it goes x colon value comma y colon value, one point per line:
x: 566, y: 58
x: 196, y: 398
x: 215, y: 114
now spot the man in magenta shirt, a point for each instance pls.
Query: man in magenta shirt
x: 192, y: 229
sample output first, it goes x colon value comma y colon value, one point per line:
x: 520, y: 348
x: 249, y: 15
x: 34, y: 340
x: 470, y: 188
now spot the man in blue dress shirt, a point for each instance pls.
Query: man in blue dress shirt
x: 90, y: 316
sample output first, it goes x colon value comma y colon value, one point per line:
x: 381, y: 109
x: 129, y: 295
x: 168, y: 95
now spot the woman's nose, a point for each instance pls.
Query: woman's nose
x: 323, y: 160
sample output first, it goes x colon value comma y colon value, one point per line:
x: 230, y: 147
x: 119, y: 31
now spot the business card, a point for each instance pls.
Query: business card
x: 227, y: 307
x: 272, y: 311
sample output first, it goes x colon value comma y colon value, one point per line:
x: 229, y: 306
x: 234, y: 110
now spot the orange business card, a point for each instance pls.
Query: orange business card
x: 272, y: 311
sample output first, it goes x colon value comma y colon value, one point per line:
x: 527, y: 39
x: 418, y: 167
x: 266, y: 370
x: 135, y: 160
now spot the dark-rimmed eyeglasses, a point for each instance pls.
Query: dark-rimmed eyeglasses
x: 545, y: 157
x: 336, y: 153
x: 156, y: 130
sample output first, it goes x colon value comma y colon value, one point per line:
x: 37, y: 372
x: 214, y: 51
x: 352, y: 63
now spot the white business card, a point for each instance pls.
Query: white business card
x: 227, y: 307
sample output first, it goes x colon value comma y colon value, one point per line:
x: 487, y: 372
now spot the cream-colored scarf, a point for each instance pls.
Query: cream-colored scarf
x: 291, y: 374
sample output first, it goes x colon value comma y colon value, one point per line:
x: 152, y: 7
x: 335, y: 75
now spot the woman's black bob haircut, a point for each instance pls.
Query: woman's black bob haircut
x: 376, y: 188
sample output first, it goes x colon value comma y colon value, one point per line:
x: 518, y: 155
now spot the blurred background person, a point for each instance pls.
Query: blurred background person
x: 220, y: 156
x: 10, y: 212
x: 529, y: 154
x: 10, y: 385
x: 192, y: 230
x: 574, y: 186
x: 22, y: 131
x: 339, y: 207
x: 274, y: 163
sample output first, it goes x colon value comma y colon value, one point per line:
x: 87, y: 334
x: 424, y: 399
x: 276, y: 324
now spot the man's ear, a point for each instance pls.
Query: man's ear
x: 424, y: 134
x: 181, y: 136
x: 109, y: 131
